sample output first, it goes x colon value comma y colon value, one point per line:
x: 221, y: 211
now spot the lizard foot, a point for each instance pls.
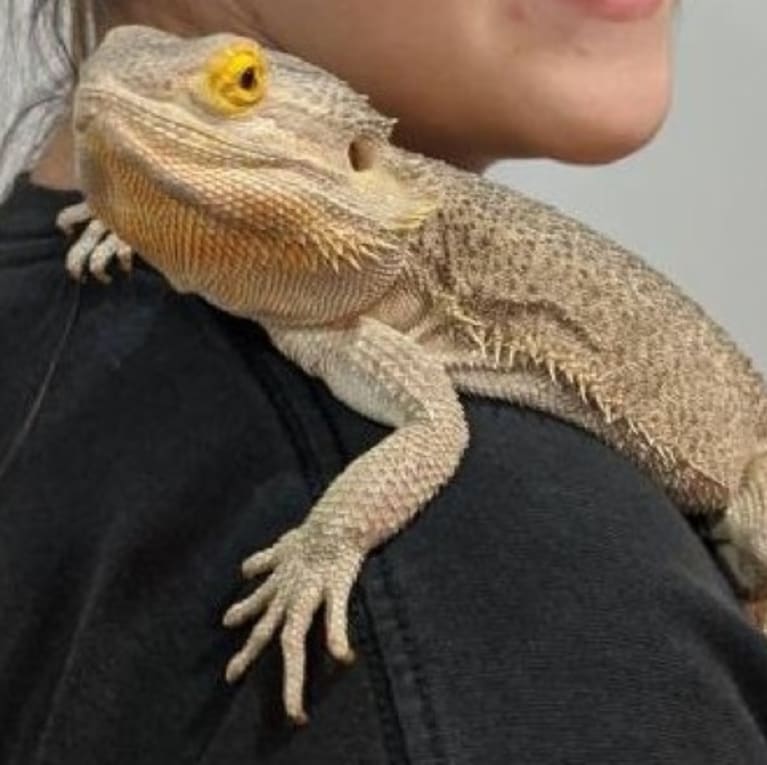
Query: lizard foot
x: 308, y: 570
x: 96, y: 248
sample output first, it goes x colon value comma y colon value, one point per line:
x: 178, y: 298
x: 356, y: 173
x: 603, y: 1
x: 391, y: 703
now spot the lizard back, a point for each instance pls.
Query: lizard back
x: 517, y: 284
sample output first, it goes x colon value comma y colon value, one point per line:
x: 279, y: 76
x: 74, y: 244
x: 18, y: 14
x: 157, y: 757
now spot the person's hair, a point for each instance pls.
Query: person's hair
x: 42, y: 43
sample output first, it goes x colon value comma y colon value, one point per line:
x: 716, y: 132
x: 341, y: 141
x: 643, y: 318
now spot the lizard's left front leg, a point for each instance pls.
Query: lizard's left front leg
x: 389, y: 378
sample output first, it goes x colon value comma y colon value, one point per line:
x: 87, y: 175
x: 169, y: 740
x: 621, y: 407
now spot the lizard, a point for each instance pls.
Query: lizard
x: 273, y: 190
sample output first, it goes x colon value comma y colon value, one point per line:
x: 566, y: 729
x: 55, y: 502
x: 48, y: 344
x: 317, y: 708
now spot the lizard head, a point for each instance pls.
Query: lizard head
x: 215, y: 156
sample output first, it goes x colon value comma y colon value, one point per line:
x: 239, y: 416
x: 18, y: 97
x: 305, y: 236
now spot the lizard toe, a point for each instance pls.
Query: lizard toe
x: 72, y: 216
x: 259, y: 637
x: 110, y: 249
x: 251, y: 606
x: 336, y: 618
x: 293, y: 640
x: 81, y: 251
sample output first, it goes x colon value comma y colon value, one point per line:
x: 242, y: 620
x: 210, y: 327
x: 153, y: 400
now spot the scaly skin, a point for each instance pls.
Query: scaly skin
x: 270, y: 188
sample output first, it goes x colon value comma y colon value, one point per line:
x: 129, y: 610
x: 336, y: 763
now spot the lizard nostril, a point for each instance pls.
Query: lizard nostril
x: 362, y: 154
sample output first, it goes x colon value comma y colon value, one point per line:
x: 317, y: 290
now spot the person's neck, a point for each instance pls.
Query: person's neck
x: 55, y: 168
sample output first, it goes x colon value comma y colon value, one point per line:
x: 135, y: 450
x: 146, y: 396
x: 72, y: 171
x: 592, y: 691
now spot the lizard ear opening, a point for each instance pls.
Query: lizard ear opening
x: 392, y: 201
x: 362, y: 154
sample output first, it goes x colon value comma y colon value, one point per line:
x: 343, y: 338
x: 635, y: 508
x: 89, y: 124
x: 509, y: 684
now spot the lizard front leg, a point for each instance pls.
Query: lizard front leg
x: 387, y: 377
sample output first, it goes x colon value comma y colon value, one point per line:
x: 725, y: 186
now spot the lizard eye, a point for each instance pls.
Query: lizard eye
x: 235, y: 79
x: 248, y: 78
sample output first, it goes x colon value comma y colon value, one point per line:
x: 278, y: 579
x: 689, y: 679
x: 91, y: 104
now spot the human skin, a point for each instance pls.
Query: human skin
x: 470, y: 82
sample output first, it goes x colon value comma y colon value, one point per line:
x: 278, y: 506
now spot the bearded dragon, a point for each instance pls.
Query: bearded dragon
x: 272, y: 189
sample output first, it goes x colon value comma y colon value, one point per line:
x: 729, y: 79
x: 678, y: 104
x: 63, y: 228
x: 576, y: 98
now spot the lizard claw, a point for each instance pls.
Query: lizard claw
x: 96, y: 248
x: 305, y: 574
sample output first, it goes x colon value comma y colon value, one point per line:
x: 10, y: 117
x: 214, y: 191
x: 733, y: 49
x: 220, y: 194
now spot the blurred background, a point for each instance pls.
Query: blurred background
x: 693, y: 203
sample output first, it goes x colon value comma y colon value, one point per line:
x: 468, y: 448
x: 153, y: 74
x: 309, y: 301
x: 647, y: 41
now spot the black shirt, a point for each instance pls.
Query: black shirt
x: 550, y: 606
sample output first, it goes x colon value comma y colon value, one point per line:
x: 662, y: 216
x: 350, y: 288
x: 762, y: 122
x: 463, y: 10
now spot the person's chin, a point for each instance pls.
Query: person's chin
x: 594, y: 123
x: 599, y: 138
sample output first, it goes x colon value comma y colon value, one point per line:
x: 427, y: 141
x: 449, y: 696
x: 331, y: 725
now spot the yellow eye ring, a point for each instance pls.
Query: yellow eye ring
x: 235, y: 78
